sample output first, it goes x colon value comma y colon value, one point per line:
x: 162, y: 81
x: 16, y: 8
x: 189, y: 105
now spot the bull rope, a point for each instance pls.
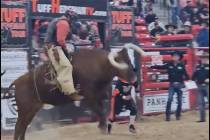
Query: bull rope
x: 35, y: 85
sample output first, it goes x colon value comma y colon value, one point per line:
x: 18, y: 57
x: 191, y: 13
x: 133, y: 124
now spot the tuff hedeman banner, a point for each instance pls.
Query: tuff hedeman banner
x: 13, y: 25
x: 122, y: 25
x: 87, y: 9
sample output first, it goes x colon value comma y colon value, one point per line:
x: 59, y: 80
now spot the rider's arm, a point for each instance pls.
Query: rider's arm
x: 63, y: 30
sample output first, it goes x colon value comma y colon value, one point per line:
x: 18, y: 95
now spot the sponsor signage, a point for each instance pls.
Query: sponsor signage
x: 8, y: 114
x: 13, y: 25
x: 87, y: 9
x: 122, y: 25
x: 157, y: 103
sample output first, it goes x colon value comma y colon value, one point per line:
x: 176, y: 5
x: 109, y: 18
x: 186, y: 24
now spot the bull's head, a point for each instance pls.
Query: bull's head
x: 122, y: 64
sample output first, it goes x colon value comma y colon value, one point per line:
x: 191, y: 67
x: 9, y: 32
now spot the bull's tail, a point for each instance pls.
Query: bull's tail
x: 7, y: 94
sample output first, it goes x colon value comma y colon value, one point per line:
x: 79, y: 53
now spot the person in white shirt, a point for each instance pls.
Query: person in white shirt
x: 151, y: 26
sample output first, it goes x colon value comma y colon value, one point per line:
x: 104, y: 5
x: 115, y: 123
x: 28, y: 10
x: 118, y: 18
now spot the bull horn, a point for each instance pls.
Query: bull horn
x: 3, y: 72
x: 111, y: 58
x: 134, y: 47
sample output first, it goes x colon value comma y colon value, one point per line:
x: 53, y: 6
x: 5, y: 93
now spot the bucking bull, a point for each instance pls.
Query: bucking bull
x: 93, y: 70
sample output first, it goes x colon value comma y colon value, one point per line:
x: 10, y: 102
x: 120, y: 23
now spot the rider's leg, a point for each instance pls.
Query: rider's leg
x: 64, y: 69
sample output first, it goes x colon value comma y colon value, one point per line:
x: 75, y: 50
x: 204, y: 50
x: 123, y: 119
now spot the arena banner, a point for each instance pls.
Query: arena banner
x: 8, y: 113
x: 156, y: 103
x: 122, y: 25
x: 87, y: 9
x: 13, y: 25
x: 15, y: 63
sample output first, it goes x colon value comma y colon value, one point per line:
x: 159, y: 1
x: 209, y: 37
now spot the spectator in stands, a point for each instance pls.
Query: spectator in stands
x: 177, y: 75
x: 139, y: 8
x: 195, y: 17
x: 130, y: 3
x: 174, y: 10
x: 203, y: 35
x: 157, y: 30
x: 187, y: 11
x: 170, y: 29
x: 152, y: 25
x: 204, y: 14
x: 201, y: 77
x: 147, y: 6
x: 187, y: 28
x: 150, y: 17
x: 114, y: 2
x: 200, y: 4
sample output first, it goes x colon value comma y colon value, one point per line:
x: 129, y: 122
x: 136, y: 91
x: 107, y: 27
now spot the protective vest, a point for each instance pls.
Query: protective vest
x: 51, y: 31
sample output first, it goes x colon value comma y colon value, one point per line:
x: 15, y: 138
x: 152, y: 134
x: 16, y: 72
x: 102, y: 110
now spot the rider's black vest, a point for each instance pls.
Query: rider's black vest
x: 51, y: 31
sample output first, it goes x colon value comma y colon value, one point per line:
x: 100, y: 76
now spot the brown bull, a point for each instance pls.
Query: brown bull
x: 93, y: 71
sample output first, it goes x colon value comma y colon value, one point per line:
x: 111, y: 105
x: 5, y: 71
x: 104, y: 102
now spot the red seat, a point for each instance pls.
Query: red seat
x: 141, y: 29
x: 140, y: 21
x: 143, y: 37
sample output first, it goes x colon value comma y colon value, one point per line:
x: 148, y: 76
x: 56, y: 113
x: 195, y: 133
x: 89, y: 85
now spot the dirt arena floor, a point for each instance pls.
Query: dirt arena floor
x: 150, y: 128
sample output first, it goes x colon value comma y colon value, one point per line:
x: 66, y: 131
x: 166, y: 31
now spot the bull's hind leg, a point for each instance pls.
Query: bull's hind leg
x: 24, y: 119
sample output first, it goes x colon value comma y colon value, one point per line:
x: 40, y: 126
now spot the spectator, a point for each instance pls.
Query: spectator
x: 130, y: 3
x: 139, y: 8
x: 201, y: 77
x: 177, y: 74
x: 187, y: 28
x: 204, y: 14
x: 157, y: 30
x: 114, y: 2
x: 195, y: 17
x: 152, y: 25
x: 200, y: 4
x: 203, y: 35
x: 186, y: 12
x: 174, y: 10
x: 147, y: 6
x: 150, y: 17
x: 170, y: 29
